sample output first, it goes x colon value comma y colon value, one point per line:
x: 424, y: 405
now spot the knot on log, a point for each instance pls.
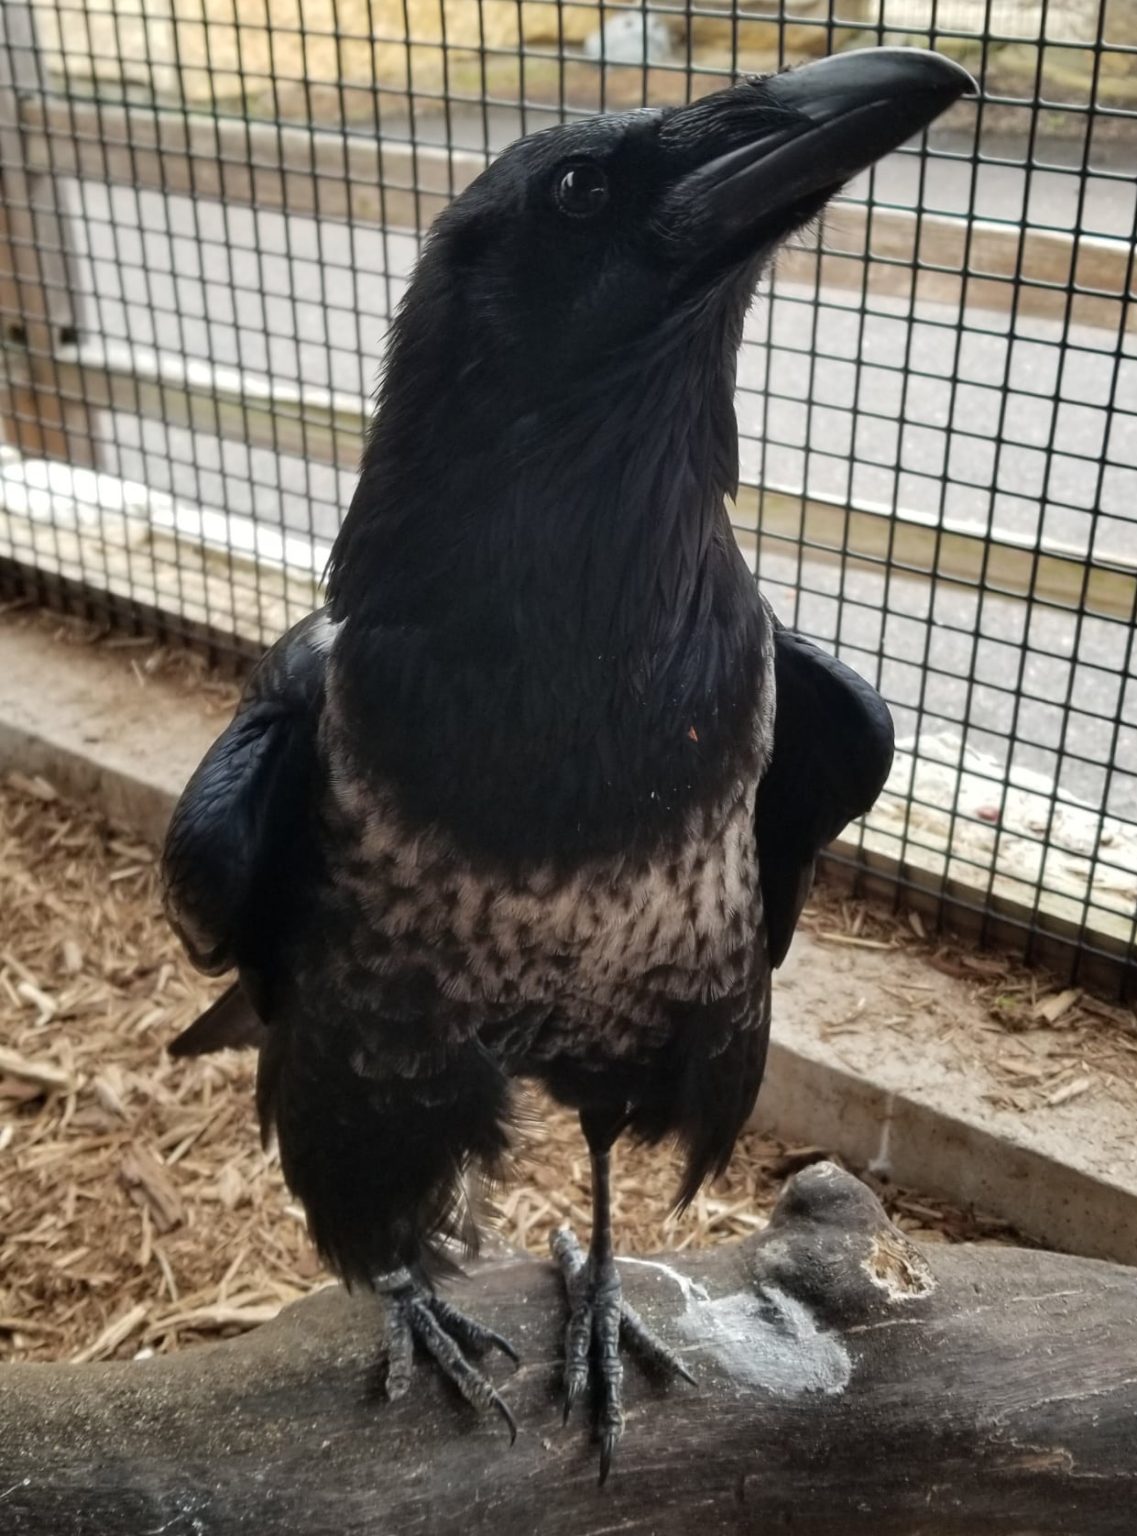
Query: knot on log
x: 830, y: 1245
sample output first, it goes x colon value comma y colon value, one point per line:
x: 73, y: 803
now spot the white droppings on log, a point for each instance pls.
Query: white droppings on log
x: 691, y: 1289
x: 769, y: 1340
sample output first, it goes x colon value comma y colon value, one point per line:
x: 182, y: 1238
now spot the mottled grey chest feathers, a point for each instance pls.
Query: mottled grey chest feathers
x: 610, y: 948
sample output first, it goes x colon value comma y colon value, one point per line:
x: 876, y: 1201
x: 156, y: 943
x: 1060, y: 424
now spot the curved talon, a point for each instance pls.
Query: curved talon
x: 504, y: 1346
x: 578, y: 1337
x: 473, y: 1334
x: 607, y: 1450
x: 651, y: 1349
x: 415, y: 1314
x: 503, y: 1408
x: 576, y: 1379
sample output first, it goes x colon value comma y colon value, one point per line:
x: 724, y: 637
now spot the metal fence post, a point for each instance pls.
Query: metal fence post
x: 38, y: 303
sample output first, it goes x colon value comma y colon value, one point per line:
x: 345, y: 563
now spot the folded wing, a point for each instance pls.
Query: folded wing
x: 833, y: 744
x: 233, y: 840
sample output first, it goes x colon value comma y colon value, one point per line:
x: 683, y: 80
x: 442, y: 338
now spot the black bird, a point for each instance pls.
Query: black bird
x: 538, y: 794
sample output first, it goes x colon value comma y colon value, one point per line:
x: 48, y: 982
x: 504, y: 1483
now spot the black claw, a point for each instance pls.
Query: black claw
x: 600, y: 1322
x: 576, y: 1379
x: 503, y: 1408
x: 652, y: 1350
x: 607, y: 1449
x: 474, y: 1335
x: 504, y: 1345
x: 416, y: 1316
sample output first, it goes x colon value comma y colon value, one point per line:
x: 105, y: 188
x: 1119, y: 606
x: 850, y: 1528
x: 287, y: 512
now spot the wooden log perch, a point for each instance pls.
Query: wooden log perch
x: 848, y: 1382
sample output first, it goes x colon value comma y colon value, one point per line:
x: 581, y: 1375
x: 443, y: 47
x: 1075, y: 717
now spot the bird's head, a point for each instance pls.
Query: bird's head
x: 599, y: 240
x: 557, y: 410
x: 537, y: 574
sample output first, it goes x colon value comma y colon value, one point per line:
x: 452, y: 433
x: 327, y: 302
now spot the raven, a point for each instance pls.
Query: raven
x: 538, y: 794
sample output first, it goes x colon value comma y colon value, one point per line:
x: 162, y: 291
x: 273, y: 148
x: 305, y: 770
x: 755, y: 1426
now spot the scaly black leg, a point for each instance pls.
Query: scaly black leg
x: 600, y: 1320
x: 415, y: 1313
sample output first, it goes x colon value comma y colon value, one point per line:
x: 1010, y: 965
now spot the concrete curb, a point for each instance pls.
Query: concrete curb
x: 905, y: 1106
x: 100, y: 729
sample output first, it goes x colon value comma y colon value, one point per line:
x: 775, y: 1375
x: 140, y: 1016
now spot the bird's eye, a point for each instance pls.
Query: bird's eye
x: 581, y: 190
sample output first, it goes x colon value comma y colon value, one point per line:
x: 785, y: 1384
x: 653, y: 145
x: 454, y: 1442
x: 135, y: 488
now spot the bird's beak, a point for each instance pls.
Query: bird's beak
x: 779, y: 146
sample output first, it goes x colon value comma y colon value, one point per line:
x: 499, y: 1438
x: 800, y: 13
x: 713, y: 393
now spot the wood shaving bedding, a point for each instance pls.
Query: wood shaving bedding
x: 138, y: 1210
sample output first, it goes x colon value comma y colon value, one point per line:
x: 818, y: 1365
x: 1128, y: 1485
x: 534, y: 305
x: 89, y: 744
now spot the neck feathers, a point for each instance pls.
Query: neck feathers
x: 591, y: 511
x: 551, y: 643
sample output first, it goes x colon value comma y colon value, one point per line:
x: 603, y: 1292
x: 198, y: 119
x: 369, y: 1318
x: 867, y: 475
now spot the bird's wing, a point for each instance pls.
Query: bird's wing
x: 234, y: 830
x: 833, y: 743
x: 229, y: 1023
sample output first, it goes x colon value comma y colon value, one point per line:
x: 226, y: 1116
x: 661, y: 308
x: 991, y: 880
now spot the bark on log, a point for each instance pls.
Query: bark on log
x: 848, y: 1382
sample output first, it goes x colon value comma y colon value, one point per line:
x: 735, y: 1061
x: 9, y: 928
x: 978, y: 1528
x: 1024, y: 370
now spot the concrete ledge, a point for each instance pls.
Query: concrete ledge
x: 898, y: 1087
x: 917, y: 1098
x: 99, y: 727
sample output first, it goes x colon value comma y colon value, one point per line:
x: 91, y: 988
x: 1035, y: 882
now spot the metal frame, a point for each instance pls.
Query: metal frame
x: 37, y: 298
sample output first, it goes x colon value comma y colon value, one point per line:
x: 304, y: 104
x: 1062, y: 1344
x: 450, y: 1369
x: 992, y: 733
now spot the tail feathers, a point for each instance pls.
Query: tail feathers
x: 707, y: 1086
x: 227, y: 1024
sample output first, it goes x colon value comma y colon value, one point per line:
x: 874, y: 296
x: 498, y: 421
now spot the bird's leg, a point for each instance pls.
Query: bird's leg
x: 415, y: 1313
x: 600, y: 1320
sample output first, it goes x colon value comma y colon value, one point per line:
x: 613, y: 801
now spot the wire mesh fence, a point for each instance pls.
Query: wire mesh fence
x: 211, y: 208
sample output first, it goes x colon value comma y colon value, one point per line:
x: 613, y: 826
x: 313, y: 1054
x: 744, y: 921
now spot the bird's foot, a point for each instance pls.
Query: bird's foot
x: 600, y: 1320
x: 417, y: 1314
